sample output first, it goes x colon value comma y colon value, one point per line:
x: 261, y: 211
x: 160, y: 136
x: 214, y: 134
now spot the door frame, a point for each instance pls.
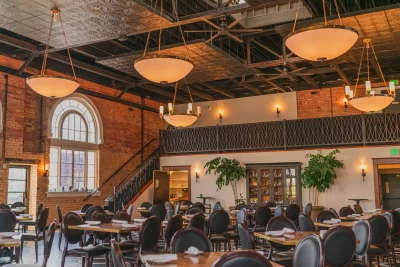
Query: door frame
x: 375, y: 163
x: 27, y: 183
x: 187, y: 168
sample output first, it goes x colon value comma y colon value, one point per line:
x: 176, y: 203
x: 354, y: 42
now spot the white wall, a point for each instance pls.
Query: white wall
x: 348, y: 185
x: 246, y: 109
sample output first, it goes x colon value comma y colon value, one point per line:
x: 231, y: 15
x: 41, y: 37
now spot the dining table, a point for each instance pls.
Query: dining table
x: 115, y: 228
x: 343, y: 223
x: 82, y: 214
x: 24, y: 218
x: 286, y: 241
x: 14, y: 241
x: 183, y: 260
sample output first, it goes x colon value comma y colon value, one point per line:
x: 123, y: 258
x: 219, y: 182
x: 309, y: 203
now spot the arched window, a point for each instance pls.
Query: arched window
x: 76, y: 131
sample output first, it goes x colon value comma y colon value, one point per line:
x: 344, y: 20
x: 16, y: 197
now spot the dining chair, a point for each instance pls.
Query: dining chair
x: 91, y: 210
x: 169, y: 205
x: 309, y: 252
x: 246, y: 238
x: 292, y: 212
x: 308, y: 209
x: 217, y: 206
x: 5, y: 206
x: 187, y: 203
x: 74, y: 237
x: 173, y: 225
x: 60, y: 225
x: 279, y: 211
x: 340, y: 246
x: 358, y: 209
x: 395, y: 235
x: 25, y: 224
x: 7, y: 221
x: 178, y: 209
x: 158, y: 210
x: 325, y: 215
x: 363, y: 232
x: 86, y: 207
x: 193, y: 210
x: 100, y: 237
x: 242, y: 258
x: 190, y: 237
x: 198, y: 221
x: 389, y: 218
x: 242, y: 215
x: 262, y: 215
x: 334, y: 213
x: 379, y: 244
x: 241, y: 206
x: 346, y: 211
x: 146, y: 205
x: 116, y: 255
x: 18, y: 205
x: 129, y: 210
x: 270, y: 204
x: 218, y: 224
x: 277, y: 224
x: 305, y: 223
x: 38, y: 234
x: 123, y: 215
x: 200, y: 206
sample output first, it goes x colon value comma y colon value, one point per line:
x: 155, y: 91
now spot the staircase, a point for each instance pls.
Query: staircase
x: 134, y: 182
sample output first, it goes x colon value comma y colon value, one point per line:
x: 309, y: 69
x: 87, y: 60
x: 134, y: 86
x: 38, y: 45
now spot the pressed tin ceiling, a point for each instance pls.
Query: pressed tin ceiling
x: 84, y: 20
x: 210, y: 63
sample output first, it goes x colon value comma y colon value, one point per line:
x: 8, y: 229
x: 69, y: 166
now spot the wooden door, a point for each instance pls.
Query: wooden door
x: 160, y: 187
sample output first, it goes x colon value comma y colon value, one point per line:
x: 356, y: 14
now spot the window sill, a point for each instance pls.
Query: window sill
x: 72, y: 194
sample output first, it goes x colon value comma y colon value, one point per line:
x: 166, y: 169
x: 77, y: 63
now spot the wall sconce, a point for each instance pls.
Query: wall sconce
x: 363, y: 174
x: 277, y: 110
x: 345, y: 103
x: 46, y: 170
x: 197, y: 174
x: 220, y: 115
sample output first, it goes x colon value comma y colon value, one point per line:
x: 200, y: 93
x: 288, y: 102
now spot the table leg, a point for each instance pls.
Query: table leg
x: 17, y: 254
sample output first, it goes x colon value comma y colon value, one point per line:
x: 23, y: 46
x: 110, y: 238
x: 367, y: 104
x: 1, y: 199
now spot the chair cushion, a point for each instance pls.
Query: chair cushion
x: 376, y: 250
x: 31, y: 237
x: 217, y: 238
x: 130, y: 256
x: 259, y: 228
x: 233, y: 235
x: 27, y: 223
x: 89, y: 250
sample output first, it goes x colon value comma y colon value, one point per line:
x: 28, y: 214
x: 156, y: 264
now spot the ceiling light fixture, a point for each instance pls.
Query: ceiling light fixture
x: 163, y: 68
x: 49, y: 85
x: 323, y: 42
x: 370, y: 101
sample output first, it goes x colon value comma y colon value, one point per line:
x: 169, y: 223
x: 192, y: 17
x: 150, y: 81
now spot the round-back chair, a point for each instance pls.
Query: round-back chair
x: 198, y: 221
x: 363, y: 232
x: 174, y: 224
x: 146, y: 205
x: 346, y: 211
x: 188, y: 237
x: 279, y: 211
x: 306, y: 224
x: 7, y: 221
x: 339, y: 237
x: 158, y: 210
x: 309, y: 252
x: 86, y: 207
x: 242, y: 258
x: 246, y: 238
x: 308, y: 209
x: 193, y: 210
x: 277, y: 224
x: 261, y: 218
x: 292, y: 212
x: 200, y: 206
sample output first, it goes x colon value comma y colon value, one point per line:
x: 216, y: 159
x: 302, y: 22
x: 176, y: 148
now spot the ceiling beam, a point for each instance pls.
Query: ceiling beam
x: 196, y: 92
x: 275, y: 84
x: 308, y: 79
x: 225, y: 92
x: 249, y: 86
x: 342, y: 74
x: 26, y: 64
x: 275, y: 63
x: 166, y: 93
x: 267, y: 48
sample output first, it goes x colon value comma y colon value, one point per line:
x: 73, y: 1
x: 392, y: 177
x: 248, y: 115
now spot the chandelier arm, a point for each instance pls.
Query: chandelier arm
x: 338, y: 12
x: 173, y: 103
x: 297, y: 15
x: 180, y: 27
x: 323, y: 5
x: 358, y: 73
x: 379, y: 67
x: 66, y: 44
x: 46, y: 50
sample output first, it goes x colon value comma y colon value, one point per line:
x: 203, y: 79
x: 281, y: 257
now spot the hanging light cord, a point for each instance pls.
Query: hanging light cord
x: 368, y: 70
x: 46, y: 50
x: 379, y: 67
x: 173, y: 103
x: 358, y: 72
x: 66, y: 44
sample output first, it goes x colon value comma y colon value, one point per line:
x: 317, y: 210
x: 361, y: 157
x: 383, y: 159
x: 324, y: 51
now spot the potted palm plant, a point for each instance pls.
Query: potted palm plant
x: 229, y: 172
x: 319, y: 176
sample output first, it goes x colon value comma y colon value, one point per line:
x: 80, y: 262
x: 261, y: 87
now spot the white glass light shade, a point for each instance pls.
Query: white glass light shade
x: 163, y: 69
x: 347, y: 90
x: 180, y: 120
x: 322, y: 43
x: 52, y: 86
x: 368, y: 86
x: 371, y: 103
x: 392, y: 88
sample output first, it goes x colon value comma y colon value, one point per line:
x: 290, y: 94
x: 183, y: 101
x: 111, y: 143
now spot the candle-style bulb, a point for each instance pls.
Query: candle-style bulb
x: 170, y: 108
x: 368, y: 86
x: 198, y: 110
x: 347, y: 90
x: 190, y: 107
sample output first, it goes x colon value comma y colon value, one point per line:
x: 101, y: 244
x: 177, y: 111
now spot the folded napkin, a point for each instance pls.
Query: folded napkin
x: 139, y: 220
x: 322, y: 232
x: 193, y: 250
x: 332, y: 221
x: 119, y: 221
x: 157, y: 257
x: 90, y: 226
x: 93, y: 222
x: 194, y: 260
x: 336, y: 220
x: 356, y: 215
x: 165, y: 222
x: 289, y: 236
x: 141, y: 208
x: 280, y: 232
x: 128, y: 225
x: 184, y: 206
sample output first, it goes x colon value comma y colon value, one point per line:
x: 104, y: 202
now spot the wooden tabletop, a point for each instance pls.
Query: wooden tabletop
x: 285, y: 241
x: 105, y: 227
x: 80, y: 213
x: 345, y: 223
x: 20, y: 218
x: 11, y: 242
x: 21, y: 209
x: 148, y: 210
x: 186, y: 218
x: 206, y: 259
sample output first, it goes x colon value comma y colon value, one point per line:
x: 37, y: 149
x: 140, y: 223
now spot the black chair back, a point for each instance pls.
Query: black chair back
x: 40, y: 226
x: 262, y: 216
x: 48, y: 242
x: 308, y: 209
x: 150, y: 233
x: 4, y: 206
x: 198, y: 221
x: 292, y: 212
x: 305, y: 223
x: 158, y: 210
x: 346, y: 211
x: 242, y: 258
x: 122, y: 215
x: 146, y: 205
x: 168, y: 205
x: 279, y: 211
x: 339, y: 237
x: 389, y: 218
x: 7, y: 221
x: 358, y: 209
x: 91, y: 210
x: 246, y: 238
x: 217, y: 206
x: 72, y: 236
x: 218, y: 222
x: 334, y: 213
x: 309, y: 252
x: 39, y: 209
x: 103, y: 218
x: 380, y: 230
x: 396, y: 222
x: 325, y: 215
x: 174, y: 225
x: 242, y: 216
x: 177, y: 208
x: 363, y: 233
x: 59, y: 214
x: 241, y: 206
x: 200, y: 206
x: 277, y: 224
x: 270, y: 204
x: 17, y: 205
x: 116, y: 254
x: 187, y: 203
x: 190, y: 236
x: 193, y: 210
x: 86, y: 207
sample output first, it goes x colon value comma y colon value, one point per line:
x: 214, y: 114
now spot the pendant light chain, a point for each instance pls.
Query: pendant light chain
x: 159, y: 36
x: 174, y: 10
x: 173, y: 103
x: 367, y: 45
x: 359, y: 71
x: 297, y: 15
x: 46, y: 50
x: 66, y: 44
x: 338, y: 12
x: 148, y: 35
x: 379, y: 66
x: 323, y: 5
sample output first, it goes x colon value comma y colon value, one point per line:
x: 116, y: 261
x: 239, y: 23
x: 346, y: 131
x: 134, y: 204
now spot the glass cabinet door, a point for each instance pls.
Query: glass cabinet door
x: 290, y: 185
x: 278, y: 185
x: 265, y: 186
x: 253, y: 186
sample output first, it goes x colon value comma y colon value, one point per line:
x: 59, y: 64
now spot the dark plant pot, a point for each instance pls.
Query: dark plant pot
x: 315, y: 211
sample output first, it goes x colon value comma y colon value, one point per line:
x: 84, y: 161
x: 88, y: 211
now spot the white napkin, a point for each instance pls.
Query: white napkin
x: 332, y: 221
x: 288, y: 230
x: 93, y: 222
x: 193, y: 250
x: 139, y: 220
x: 194, y: 260
x: 280, y: 232
x: 184, y: 206
x: 336, y: 220
x: 156, y: 257
x: 90, y: 226
x: 141, y: 208
x: 119, y: 221
x: 127, y: 225
x: 322, y: 232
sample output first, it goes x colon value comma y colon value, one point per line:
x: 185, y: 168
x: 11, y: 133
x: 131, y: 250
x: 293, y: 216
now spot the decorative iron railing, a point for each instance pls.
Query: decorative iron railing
x: 136, y: 180
x: 356, y: 130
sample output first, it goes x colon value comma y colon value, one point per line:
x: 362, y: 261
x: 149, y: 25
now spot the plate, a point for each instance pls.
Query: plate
x: 8, y: 234
x: 25, y: 215
x: 93, y: 222
x: 188, y: 253
x: 139, y: 220
x: 119, y: 221
x: 160, y: 261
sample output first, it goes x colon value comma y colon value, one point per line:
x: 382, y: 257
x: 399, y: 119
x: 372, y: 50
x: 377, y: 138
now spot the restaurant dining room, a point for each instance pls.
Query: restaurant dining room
x: 216, y: 133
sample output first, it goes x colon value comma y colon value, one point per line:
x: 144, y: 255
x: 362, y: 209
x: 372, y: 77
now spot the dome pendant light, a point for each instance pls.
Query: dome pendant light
x: 163, y: 69
x: 48, y: 85
x: 370, y: 102
x: 321, y: 43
